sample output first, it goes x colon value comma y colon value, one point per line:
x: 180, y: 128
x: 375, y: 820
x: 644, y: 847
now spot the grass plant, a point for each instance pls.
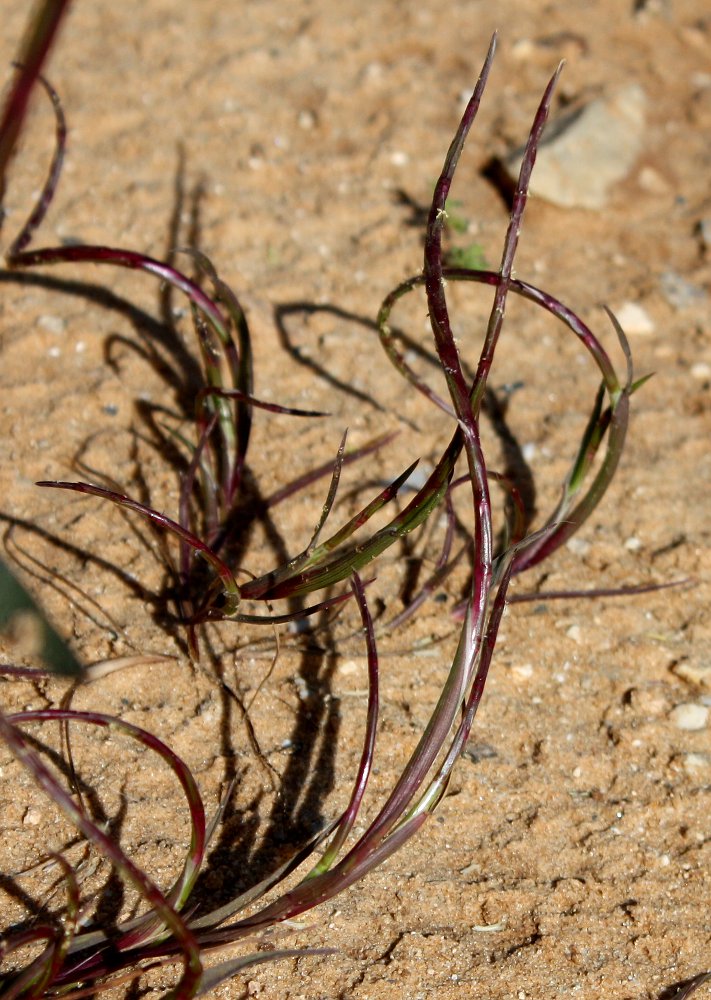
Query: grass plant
x: 73, y: 960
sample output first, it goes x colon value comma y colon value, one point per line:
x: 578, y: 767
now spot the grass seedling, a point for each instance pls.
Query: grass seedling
x: 75, y: 961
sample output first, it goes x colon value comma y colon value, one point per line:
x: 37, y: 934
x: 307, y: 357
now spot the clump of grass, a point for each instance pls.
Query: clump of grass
x: 210, y: 489
x: 74, y: 961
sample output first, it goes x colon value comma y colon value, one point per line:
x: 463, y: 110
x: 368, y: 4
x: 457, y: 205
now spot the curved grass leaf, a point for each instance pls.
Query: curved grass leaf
x: 95, y: 966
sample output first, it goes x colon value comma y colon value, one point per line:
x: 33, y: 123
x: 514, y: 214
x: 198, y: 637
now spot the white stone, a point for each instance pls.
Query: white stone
x: 690, y: 716
x: 651, y: 180
x: 634, y: 319
x: 578, y: 546
x: 348, y: 668
x: 523, y: 671
x: 53, y: 324
x: 694, y: 763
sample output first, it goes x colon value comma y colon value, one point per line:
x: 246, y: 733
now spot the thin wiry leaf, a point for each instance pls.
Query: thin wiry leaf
x: 158, y: 903
x: 230, y: 586
x: 34, y: 50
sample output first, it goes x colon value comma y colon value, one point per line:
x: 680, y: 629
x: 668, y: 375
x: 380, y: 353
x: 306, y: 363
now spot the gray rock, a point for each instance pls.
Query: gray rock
x: 584, y: 154
x: 679, y: 292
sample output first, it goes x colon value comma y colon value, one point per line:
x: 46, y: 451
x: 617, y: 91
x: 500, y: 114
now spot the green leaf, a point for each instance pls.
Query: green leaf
x: 471, y: 256
x: 24, y: 623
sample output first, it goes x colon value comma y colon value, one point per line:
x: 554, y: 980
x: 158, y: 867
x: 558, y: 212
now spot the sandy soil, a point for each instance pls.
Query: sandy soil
x: 571, y: 856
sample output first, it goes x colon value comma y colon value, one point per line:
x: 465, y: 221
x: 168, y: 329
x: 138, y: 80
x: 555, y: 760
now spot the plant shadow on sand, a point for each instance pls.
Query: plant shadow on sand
x: 246, y: 848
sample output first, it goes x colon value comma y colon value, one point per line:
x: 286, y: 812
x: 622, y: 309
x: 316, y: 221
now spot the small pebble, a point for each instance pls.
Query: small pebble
x: 694, y: 673
x: 693, y: 763
x: 32, y: 817
x: 701, y: 371
x: 302, y: 688
x: 689, y: 716
x: 374, y: 71
x: 523, y: 671
x: 523, y: 49
x: 651, y: 181
x: 476, y: 752
x: 53, y: 324
x: 679, y: 292
x: 634, y: 319
x: 578, y: 546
